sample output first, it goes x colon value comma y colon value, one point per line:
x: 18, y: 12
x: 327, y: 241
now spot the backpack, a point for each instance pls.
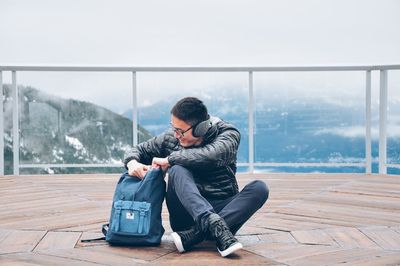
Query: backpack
x: 135, y: 218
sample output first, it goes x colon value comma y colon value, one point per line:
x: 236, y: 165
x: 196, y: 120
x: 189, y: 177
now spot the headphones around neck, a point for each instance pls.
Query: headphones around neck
x: 201, y: 128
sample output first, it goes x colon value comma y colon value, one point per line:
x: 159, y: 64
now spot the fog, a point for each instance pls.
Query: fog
x: 194, y: 33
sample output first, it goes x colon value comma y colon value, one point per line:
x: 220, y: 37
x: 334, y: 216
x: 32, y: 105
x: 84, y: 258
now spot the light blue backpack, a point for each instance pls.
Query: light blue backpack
x: 136, y: 210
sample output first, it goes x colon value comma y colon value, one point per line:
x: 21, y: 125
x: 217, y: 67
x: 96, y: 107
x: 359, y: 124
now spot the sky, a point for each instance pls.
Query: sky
x: 187, y: 33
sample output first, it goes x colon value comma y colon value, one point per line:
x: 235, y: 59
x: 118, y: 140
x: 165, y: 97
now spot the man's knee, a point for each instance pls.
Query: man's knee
x: 177, y: 172
x: 260, y: 191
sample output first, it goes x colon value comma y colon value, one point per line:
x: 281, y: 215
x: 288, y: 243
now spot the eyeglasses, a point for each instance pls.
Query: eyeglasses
x: 179, y: 131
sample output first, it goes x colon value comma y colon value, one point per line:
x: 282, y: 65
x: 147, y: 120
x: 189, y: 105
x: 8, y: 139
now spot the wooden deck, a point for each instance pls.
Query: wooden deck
x: 310, y: 219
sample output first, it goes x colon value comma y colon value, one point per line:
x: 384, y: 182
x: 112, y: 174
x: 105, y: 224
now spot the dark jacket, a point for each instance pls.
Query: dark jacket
x: 213, y: 163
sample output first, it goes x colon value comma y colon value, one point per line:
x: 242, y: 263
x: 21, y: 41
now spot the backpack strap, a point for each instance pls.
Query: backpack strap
x: 104, y: 229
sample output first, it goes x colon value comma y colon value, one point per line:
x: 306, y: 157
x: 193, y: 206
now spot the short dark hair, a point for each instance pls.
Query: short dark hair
x: 191, y: 110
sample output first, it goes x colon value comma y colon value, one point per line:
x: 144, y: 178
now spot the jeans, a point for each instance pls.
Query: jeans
x: 188, y: 208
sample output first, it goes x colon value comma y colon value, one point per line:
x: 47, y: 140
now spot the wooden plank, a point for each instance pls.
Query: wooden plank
x: 286, y: 252
x: 352, y: 200
x: 281, y: 237
x: 89, y: 227
x: 58, y: 240
x: 297, y: 220
x: 138, y: 253
x: 347, y: 256
x: 20, y: 241
x: 396, y: 228
x: 48, y: 208
x: 380, y: 259
x: 94, y: 256
x: 385, y: 237
x: 91, y: 235
x: 63, y: 220
x: 207, y: 254
x: 246, y: 240
x: 4, y: 234
x: 247, y: 229
x: 369, y: 192
x: 355, y: 216
x: 313, y: 237
x: 359, y: 211
x: 351, y: 238
x: 45, y: 208
x: 40, y: 259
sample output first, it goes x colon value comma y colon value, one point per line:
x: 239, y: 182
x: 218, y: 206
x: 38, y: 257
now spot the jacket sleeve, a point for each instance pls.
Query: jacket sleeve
x: 222, y: 151
x: 145, y: 151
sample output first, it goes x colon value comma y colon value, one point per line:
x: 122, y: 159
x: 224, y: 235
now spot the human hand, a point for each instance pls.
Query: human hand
x: 160, y: 162
x: 137, y: 169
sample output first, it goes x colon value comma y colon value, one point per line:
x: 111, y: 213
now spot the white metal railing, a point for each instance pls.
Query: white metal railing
x: 250, y: 70
x: 1, y: 127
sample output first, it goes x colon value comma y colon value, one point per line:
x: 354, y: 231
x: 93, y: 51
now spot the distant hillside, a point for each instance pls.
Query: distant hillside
x: 292, y: 129
x: 56, y: 130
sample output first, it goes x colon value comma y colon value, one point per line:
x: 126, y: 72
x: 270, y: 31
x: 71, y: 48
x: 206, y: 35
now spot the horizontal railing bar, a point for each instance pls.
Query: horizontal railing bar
x: 196, y: 69
x: 393, y: 165
x: 305, y: 164
x: 68, y: 165
x: 239, y: 164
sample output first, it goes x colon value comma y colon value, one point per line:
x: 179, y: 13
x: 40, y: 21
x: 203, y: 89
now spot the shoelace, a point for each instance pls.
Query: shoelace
x: 223, y: 235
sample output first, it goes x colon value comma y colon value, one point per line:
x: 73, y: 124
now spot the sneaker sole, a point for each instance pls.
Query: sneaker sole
x: 178, y: 242
x: 231, y: 249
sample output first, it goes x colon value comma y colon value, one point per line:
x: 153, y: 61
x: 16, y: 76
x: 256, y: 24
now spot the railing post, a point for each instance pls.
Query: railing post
x: 368, y: 159
x: 383, y: 96
x: 1, y: 126
x: 134, y: 110
x: 251, y: 123
x: 15, y: 123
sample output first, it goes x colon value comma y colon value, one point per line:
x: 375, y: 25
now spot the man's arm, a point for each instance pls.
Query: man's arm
x: 222, y: 151
x: 144, y: 152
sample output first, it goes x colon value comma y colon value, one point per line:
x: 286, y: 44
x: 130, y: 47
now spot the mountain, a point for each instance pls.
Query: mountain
x: 287, y: 129
x: 56, y: 130
x: 291, y: 129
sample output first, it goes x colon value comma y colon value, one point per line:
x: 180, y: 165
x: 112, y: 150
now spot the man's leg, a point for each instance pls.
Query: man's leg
x: 186, y: 209
x: 238, y: 209
x: 183, y: 192
x: 179, y: 218
x: 182, y: 188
